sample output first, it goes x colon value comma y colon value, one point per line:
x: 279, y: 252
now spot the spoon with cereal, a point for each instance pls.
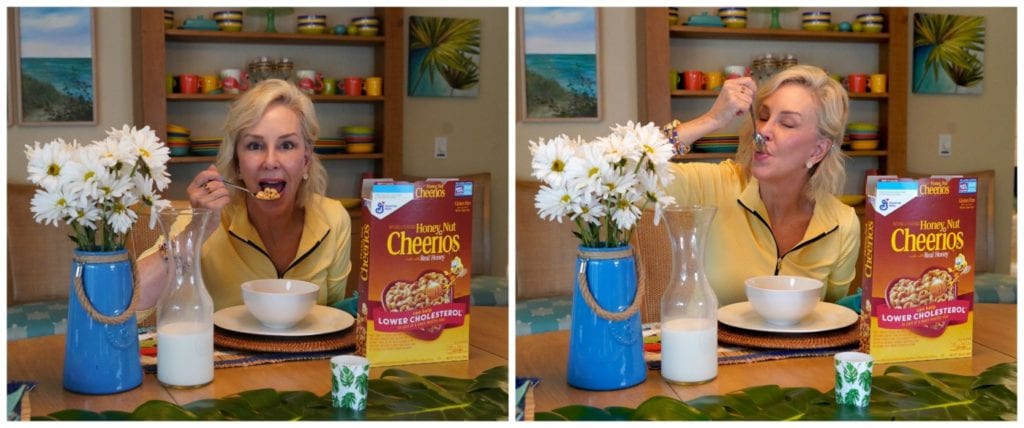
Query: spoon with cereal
x: 267, y: 194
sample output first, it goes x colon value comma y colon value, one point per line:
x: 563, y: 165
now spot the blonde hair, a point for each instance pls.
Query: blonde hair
x: 248, y: 110
x: 833, y: 107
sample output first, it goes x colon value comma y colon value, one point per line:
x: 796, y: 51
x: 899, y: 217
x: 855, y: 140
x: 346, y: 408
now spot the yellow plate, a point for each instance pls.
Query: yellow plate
x: 864, y: 144
x: 359, y: 147
x: 350, y: 203
x: 852, y: 199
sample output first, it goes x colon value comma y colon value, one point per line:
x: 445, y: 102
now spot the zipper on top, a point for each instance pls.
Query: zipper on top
x: 779, y: 257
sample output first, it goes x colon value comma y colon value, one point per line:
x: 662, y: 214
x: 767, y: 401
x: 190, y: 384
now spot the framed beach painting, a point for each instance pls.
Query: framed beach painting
x: 949, y: 54
x: 444, y: 57
x: 55, y: 70
x: 559, y: 57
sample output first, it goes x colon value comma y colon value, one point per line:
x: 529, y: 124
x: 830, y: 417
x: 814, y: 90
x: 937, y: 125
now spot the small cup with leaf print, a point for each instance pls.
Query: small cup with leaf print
x: 853, y: 378
x: 350, y: 377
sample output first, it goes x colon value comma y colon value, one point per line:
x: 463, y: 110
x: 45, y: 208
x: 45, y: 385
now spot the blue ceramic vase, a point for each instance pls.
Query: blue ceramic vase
x: 101, y: 358
x: 606, y: 354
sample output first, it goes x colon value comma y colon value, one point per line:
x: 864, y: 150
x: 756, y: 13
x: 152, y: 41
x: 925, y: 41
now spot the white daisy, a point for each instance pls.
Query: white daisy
x: 50, y: 207
x: 585, y: 170
x: 590, y: 210
x: 46, y: 164
x: 144, y: 187
x: 551, y: 158
x: 121, y: 216
x: 655, y: 194
x: 625, y: 214
x: 554, y: 203
x: 87, y: 216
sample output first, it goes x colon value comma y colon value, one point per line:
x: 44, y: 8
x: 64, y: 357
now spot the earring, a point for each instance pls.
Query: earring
x: 809, y: 164
x: 305, y: 176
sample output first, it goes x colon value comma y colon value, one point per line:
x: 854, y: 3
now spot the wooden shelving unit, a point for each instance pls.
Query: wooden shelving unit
x: 150, y: 68
x: 654, y: 35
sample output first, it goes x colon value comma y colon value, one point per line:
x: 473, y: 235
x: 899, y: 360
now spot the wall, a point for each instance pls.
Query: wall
x: 113, y: 90
x: 618, y: 91
x: 982, y: 126
x: 476, y: 128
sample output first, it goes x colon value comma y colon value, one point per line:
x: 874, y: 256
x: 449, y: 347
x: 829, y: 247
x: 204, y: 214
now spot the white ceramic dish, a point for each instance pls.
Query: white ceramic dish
x: 321, y: 320
x: 826, y: 316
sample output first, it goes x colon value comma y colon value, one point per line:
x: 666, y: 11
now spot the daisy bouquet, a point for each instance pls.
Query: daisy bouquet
x: 97, y: 188
x: 603, y: 185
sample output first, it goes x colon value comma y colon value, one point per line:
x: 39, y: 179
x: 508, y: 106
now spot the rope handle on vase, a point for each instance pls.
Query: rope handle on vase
x: 585, y: 287
x: 87, y: 304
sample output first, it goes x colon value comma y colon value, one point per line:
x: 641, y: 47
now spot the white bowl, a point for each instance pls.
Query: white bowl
x: 279, y: 303
x: 783, y: 300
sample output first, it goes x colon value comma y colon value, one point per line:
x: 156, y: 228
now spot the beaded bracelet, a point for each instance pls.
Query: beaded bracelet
x: 673, y: 137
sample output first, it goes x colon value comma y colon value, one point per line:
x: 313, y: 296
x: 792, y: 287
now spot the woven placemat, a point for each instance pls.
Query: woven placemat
x: 251, y: 342
x: 760, y: 339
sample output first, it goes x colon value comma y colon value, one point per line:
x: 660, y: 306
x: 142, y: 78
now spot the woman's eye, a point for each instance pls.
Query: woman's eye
x: 253, y: 145
x: 287, y: 145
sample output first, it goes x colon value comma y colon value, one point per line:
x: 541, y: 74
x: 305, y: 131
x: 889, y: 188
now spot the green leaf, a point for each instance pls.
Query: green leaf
x: 347, y: 377
x: 397, y: 395
x: 902, y: 393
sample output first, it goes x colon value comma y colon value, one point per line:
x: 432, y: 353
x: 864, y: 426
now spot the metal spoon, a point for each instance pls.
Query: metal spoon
x: 250, y: 192
x: 759, y: 145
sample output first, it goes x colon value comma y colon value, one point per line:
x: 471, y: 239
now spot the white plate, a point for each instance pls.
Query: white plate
x: 321, y: 320
x: 826, y: 316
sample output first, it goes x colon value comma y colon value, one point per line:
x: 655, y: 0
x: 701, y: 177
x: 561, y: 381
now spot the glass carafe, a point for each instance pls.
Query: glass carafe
x: 689, y: 308
x: 185, y: 311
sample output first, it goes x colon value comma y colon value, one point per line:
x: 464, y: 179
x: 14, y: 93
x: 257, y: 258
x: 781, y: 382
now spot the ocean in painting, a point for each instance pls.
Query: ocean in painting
x: 561, y: 85
x: 57, y: 89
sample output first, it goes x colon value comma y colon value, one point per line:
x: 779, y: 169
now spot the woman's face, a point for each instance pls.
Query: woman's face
x: 788, y: 119
x: 273, y: 154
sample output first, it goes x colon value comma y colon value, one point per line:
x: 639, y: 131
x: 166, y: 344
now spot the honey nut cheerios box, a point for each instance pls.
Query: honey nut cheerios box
x: 918, y: 281
x: 415, y: 249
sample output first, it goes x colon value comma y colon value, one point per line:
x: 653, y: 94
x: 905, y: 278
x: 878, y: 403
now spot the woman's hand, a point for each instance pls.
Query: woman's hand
x: 207, y: 191
x: 734, y: 100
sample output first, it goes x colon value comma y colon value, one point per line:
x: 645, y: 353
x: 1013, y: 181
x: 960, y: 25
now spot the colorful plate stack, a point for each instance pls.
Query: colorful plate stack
x: 733, y: 17
x: 205, y: 146
x: 717, y: 143
x: 312, y: 24
x: 366, y: 26
x: 871, y: 22
x: 178, y: 140
x: 168, y: 19
x: 358, y: 139
x: 228, y: 20
x: 818, y: 20
x: 329, y: 146
x: 862, y: 136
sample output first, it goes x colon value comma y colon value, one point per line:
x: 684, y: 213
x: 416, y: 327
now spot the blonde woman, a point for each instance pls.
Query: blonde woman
x: 296, y: 233
x: 777, y: 211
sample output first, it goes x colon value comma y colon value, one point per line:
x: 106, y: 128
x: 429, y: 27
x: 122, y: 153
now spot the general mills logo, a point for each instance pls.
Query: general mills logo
x: 380, y: 208
x: 884, y: 205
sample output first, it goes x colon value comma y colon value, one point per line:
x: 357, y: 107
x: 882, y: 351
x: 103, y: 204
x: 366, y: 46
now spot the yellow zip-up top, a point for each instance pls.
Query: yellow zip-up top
x: 234, y: 253
x: 740, y: 242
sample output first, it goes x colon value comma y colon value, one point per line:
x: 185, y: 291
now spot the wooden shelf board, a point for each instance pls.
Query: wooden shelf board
x: 340, y: 156
x: 690, y: 32
x: 316, y: 98
x: 684, y: 93
x: 206, y: 36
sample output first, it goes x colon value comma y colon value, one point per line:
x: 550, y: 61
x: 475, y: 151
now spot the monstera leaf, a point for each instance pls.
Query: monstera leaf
x: 397, y: 395
x: 901, y: 393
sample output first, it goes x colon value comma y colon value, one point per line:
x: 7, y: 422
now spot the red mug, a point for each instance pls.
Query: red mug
x: 353, y: 86
x: 189, y: 83
x: 693, y: 80
x: 857, y: 83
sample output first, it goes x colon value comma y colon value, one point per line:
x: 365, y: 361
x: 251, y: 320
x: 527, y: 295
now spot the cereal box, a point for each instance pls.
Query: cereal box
x: 415, y: 249
x: 918, y: 284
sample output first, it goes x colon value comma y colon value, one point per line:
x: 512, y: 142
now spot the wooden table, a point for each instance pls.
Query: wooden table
x: 544, y: 356
x: 41, y: 360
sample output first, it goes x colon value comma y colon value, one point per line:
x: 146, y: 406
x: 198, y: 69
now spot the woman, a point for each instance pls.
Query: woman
x: 301, y: 234
x: 777, y: 213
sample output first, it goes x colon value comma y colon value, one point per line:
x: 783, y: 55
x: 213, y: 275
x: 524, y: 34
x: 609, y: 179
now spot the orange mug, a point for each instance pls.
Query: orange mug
x: 857, y: 83
x: 209, y: 84
x: 693, y: 80
x: 189, y: 83
x: 353, y: 86
x: 713, y: 80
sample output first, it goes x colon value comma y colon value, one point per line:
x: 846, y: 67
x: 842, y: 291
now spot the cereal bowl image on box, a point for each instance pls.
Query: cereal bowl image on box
x: 279, y: 303
x: 783, y: 300
x: 431, y: 288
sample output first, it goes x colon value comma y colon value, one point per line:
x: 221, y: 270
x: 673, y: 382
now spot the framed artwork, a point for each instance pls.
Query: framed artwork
x: 444, y: 57
x: 559, y: 58
x: 949, y: 54
x: 55, y: 70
